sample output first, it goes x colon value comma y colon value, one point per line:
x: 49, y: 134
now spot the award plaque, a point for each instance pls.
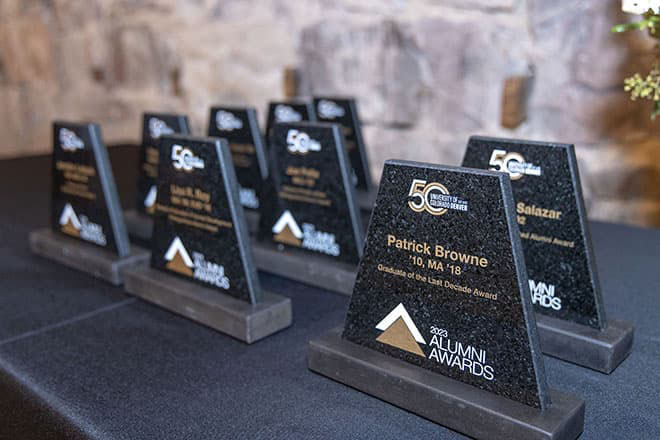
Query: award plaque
x: 201, y: 259
x: 563, y: 278
x: 440, y: 322
x: 343, y: 111
x: 310, y: 229
x: 240, y: 128
x: 88, y: 231
x: 287, y: 112
x: 139, y: 221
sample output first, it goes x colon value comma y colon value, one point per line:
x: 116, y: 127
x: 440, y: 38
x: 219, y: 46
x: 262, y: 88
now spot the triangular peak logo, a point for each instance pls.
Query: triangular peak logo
x: 150, y: 200
x: 286, y: 230
x: 400, y: 331
x: 69, y: 222
x: 178, y: 259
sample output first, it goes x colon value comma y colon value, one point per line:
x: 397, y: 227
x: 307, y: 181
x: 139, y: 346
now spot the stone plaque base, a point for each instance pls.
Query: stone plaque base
x: 86, y: 257
x: 141, y: 226
x: 307, y: 268
x: 599, y: 350
x: 138, y: 225
x: 458, y: 406
x: 210, y: 307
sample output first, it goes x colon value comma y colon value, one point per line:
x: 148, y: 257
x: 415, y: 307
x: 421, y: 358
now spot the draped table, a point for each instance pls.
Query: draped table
x: 82, y: 359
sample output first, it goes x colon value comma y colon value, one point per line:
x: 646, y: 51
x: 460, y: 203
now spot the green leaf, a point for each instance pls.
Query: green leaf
x: 630, y: 26
x: 656, y: 110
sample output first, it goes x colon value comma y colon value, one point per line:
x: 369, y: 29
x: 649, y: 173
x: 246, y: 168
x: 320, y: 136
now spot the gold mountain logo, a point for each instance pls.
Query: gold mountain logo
x: 178, y: 259
x: 150, y: 200
x: 69, y: 223
x: 287, y: 231
x: 400, y: 331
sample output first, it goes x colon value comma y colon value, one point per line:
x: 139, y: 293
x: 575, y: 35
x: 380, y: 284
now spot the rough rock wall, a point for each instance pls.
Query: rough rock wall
x: 428, y: 73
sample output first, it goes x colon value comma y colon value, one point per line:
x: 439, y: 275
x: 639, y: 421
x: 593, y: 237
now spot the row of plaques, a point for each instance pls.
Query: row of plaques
x: 454, y: 262
x: 240, y: 128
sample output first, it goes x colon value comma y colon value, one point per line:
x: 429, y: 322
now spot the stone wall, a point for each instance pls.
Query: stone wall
x: 428, y: 73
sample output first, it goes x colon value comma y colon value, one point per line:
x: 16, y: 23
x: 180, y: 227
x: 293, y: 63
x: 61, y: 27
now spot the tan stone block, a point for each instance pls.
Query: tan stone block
x: 26, y: 51
x: 627, y: 170
x: 478, y: 5
x: 420, y: 144
x: 10, y: 9
x: 135, y: 56
x: 73, y: 15
x: 641, y: 213
x: 27, y: 112
x: 379, y: 63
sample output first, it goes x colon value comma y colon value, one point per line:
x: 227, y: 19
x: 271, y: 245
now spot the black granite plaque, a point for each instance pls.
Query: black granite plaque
x: 313, y: 206
x: 553, y: 225
x: 240, y: 128
x: 154, y: 125
x: 85, y: 204
x: 287, y: 111
x: 442, y: 284
x: 199, y: 226
x: 343, y: 111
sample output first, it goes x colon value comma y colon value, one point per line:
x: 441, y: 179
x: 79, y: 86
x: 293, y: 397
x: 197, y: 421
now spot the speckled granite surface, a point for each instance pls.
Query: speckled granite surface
x: 84, y: 203
x: 154, y: 125
x: 344, y: 111
x: 311, y: 207
x: 200, y: 231
x: 240, y: 127
x: 553, y: 227
x: 287, y: 111
x: 444, y: 261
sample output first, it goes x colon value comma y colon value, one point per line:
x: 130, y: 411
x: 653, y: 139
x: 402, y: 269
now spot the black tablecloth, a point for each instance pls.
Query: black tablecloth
x: 79, y: 358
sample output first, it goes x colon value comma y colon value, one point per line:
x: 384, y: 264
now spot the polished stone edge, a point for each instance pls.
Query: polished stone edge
x: 453, y: 404
x: 366, y: 199
x: 240, y: 319
x: 86, y: 257
x: 600, y: 350
x: 139, y: 225
x: 310, y: 269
